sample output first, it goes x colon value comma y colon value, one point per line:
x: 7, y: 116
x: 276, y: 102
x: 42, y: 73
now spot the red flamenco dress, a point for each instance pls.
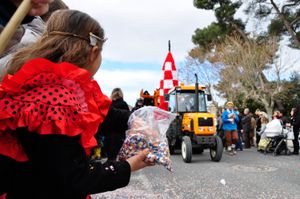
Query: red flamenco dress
x: 61, y: 100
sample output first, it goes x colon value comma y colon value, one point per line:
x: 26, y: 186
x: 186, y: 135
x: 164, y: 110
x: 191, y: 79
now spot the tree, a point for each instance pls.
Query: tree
x: 243, y: 74
x: 247, y: 60
x: 290, y: 94
x: 284, y: 16
x: 226, y: 24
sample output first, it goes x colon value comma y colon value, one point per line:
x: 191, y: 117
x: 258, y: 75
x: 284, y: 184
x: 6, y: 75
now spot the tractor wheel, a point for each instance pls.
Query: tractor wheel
x: 217, y: 150
x: 186, y: 149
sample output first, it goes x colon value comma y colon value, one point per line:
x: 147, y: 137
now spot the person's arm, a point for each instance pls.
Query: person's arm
x: 225, y: 118
x: 61, y: 161
x: 262, y: 130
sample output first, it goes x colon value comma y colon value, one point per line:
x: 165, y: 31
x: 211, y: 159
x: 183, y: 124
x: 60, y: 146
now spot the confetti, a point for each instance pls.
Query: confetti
x: 159, y: 152
x: 147, y: 130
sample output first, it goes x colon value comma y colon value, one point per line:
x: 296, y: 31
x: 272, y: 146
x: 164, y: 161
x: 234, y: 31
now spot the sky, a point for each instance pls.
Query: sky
x: 138, y: 32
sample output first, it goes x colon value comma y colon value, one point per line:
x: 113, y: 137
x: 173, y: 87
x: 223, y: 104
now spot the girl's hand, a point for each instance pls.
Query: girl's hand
x: 139, y: 161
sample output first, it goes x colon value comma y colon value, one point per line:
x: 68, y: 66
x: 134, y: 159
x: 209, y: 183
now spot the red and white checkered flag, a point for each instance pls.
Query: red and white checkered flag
x: 169, y: 79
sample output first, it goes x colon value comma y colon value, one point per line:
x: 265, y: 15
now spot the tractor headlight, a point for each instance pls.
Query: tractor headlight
x: 201, y: 128
x: 210, y: 128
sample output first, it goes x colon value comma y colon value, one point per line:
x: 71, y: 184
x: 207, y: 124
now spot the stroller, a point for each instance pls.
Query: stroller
x: 274, y: 138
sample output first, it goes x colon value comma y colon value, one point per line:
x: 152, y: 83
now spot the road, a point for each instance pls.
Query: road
x: 247, y: 175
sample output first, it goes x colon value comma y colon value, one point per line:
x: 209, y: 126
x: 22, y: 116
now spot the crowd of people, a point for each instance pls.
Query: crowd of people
x: 245, y: 130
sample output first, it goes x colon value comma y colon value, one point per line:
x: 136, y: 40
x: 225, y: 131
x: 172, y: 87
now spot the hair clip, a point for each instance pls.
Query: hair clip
x: 94, y: 38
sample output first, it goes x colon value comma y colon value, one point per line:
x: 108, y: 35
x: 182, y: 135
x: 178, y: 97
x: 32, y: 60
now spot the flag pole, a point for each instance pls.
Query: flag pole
x: 13, y: 24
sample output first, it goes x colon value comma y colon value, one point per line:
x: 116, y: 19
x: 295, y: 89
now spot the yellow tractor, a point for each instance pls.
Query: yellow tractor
x: 193, y: 130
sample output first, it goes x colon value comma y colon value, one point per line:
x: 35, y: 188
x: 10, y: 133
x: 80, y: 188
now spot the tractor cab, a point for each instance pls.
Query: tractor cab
x: 182, y: 99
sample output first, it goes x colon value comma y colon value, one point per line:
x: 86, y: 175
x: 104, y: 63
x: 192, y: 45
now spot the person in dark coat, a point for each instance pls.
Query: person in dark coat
x: 114, y: 139
x: 138, y: 104
x: 295, y: 121
x: 246, y: 123
x: 117, y: 99
x: 239, y: 144
x: 258, y: 125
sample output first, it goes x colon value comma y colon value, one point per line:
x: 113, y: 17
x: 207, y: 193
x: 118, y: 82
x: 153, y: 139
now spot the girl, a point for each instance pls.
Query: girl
x: 264, y: 121
x: 263, y: 139
x: 50, y: 110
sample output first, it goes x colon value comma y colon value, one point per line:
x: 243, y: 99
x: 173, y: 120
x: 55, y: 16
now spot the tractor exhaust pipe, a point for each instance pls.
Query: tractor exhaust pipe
x: 196, y: 94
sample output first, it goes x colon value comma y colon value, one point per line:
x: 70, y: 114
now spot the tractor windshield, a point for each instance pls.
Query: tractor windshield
x: 187, y: 101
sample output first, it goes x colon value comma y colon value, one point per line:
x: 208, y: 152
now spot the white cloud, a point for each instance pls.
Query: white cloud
x: 130, y: 81
x: 138, y: 30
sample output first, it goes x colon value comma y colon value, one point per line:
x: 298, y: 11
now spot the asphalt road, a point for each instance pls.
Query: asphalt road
x: 247, y: 175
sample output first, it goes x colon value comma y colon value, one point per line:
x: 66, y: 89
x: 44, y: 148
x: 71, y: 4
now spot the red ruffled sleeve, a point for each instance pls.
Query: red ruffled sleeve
x: 50, y: 98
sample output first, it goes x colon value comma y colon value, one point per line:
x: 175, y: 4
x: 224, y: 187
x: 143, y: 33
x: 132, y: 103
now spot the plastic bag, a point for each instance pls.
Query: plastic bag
x: 290, y: 134
x: 147, y: 129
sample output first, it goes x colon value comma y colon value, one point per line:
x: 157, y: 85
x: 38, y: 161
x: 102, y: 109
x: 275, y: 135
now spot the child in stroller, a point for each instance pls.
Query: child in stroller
x: 274, y: 137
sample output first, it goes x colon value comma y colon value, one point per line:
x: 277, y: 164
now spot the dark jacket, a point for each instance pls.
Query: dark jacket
x: 59, y: 168
x: 120, y: 104
x: 258, y: 124
x: 239, y: 123
x: 284, y: 121
x: 109, y: 124
x: 295, y: 121
x: 246, y: 122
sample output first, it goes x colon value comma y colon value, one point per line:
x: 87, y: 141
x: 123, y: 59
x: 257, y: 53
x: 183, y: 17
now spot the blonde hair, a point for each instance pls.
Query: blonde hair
x: 229, y: 104
x: 116, y: 94
x: 68, y: 47
x: 264, y: 117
